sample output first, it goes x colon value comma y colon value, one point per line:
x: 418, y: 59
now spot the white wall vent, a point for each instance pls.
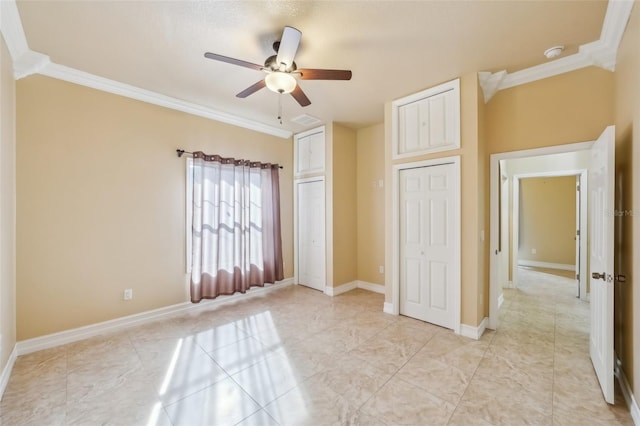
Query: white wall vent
x: 306, y: 120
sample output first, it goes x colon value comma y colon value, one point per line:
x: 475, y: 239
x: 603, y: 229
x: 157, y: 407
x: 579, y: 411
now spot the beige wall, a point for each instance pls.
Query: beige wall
x: 370, y: 170
x: 627, y: 120
x: 568, y: 108
x: 7, y: 207
x: 548, y: 220
x: 101, y: 202
x: 345, y: 268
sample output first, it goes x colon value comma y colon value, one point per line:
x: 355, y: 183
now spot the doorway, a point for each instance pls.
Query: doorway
x: 570, y: 159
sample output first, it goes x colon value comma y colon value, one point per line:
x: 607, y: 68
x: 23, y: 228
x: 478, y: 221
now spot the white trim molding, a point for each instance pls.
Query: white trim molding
x: 82, y: 78
x: 601, y: 53
x: 388, y: 308
x: 376, y: 288
x: 500, y: 300
x: 6, y: 371
x: 549, y: 265
x: 343, y: 288
x: 474, y: 332
x: 625, y: 387
x: 73, y: 335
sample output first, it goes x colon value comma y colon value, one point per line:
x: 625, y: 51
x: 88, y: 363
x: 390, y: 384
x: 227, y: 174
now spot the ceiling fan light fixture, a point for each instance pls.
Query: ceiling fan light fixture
x: 280, y: 82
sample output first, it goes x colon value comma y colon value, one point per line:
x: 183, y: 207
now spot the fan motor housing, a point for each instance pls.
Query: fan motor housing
x: 272, y: 64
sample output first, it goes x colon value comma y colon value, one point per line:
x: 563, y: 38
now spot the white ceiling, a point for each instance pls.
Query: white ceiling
x: 394, y: 48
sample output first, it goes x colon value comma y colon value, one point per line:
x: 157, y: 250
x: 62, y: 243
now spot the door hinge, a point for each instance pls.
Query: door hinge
x: 578, y: 187
x: 578, y: 232
x: 578, y: 277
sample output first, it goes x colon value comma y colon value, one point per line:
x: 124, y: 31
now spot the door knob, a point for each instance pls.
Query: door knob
x: 599, y: 276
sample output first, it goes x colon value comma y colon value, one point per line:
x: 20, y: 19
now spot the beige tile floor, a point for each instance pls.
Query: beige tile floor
x: 295, y: 357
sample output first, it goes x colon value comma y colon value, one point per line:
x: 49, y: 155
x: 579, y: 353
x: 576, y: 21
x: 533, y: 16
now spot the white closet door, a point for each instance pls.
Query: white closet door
x: 311, y: 234
x: 427, y: 244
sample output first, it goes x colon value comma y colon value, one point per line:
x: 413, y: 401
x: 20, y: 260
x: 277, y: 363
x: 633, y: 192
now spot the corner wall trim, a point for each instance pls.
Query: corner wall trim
x: 68, y: 336
x: 549, y: 265
x: 500, y: 300
x: 474, y: 332
x: 6, y: 371
x: 388, y: 308
x: 627, y: 394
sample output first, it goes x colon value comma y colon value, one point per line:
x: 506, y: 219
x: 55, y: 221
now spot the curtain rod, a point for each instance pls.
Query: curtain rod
x: 181, y: 152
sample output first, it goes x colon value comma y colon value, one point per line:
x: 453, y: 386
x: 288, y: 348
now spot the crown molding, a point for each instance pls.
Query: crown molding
x: 12, y: 31
x: 27, y: 62
x: 601, y: 53
x: 490, y: 83
x: 82, y: 78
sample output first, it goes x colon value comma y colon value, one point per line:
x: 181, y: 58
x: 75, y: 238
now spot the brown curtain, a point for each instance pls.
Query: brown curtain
x: 236, y: 240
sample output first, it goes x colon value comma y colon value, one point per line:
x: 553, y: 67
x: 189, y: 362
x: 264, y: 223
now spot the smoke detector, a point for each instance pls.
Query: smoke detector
x: 553, y: 52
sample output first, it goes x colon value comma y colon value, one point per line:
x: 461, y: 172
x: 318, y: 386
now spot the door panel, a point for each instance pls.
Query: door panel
x: 311, y: 234
x: 427, y: 249
x: 601, y: 200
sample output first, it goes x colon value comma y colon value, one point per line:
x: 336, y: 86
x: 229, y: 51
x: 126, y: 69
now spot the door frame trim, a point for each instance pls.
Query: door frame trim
x: 395, y: 220
x: 296, y: 183
x: 494, y: 285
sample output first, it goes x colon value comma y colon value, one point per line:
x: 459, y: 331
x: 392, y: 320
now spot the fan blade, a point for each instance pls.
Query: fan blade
x: 311, y: 74
x: 233, y: 61
x: 288, y: 46
x: 299, y: 96
x: 251, y: 89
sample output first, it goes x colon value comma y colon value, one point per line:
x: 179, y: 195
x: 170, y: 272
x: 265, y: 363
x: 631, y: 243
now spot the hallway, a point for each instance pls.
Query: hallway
x: 542, y: 343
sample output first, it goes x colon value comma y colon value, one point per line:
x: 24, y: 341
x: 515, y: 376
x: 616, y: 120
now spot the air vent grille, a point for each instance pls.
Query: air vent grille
x: 306, y: 120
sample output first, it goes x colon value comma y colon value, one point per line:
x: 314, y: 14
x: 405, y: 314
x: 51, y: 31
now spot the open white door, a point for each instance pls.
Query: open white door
x: 601, y: 202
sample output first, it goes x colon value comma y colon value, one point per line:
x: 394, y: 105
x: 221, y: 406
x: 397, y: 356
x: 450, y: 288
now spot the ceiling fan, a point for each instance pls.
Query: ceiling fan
x: 282, y: 71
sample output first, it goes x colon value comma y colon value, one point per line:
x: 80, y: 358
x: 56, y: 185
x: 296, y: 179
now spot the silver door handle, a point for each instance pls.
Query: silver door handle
x: 599, y: 276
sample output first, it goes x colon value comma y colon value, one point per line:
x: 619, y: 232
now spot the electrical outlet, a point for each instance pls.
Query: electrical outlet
x: 128, y: 294
x: 381, y: 269
x: 533, y: 251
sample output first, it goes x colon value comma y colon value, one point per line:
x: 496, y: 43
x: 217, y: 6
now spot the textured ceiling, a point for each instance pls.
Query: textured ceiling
x: 394, y: 48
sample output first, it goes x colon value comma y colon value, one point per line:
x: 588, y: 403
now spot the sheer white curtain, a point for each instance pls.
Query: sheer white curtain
x: 236, y: 236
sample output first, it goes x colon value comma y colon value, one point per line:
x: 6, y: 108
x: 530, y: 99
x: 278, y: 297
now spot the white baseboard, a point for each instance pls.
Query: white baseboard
x: 474, y: 332
x: 343, y: 288
x: 627, y: 394
x: 388, y: 308
x: 335, y: 291
x: 63, y: 337
x: 549, y: 265
x: 500, y: 300
x: 376, y: 288
x: 6, y: 371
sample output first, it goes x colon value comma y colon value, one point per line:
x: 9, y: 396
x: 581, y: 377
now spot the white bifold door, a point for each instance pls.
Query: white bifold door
x: 429, y: 244
x: 311, y: 234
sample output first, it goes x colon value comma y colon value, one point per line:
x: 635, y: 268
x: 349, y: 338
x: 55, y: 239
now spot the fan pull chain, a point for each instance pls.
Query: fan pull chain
x: 280, y: 108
